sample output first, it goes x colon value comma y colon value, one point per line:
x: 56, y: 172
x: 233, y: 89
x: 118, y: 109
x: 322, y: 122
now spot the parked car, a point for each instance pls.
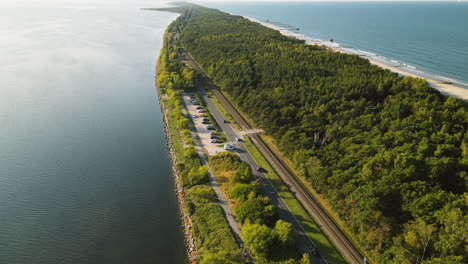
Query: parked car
x: 199, y: 107
x: 201, y: 111
x: 206, y: 119
x: 214, y: 136
x: 213, y: 133
x: 194, y: 116
x: 206, y: 122
x: 214, y: 140
x: 210, y: 127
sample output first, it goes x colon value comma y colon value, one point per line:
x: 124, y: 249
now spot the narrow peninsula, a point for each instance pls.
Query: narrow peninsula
x: 286, y: 152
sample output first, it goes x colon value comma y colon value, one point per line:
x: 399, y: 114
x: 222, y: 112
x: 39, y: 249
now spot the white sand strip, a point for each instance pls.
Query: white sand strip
x: 445, y: 88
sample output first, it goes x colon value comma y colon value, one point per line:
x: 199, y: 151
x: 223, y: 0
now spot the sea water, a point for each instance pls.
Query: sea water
x: 424, y: 36
x: 84, y: 171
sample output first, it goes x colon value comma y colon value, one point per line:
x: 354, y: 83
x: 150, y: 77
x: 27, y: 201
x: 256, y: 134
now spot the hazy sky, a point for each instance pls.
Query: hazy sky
x: 150, y: 2
x: 328, y: 1
x: 158, y: 3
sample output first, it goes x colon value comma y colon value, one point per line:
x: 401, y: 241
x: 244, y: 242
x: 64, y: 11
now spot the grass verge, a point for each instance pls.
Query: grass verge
x: 176, y: 138
x: 223, y: 111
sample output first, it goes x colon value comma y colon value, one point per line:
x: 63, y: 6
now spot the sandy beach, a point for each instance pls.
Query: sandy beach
x: 445, y: 87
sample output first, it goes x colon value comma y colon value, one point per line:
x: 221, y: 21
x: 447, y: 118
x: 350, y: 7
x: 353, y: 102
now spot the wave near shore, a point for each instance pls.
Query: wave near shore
x: 446, y: 86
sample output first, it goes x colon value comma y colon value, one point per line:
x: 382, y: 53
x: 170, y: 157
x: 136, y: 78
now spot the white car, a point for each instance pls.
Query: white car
x: 214, y: 140
x: 229, y: 146
x: 194, y: 116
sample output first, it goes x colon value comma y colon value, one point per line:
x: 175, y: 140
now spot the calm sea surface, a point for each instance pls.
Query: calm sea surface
x: 84, y: 172
x: 431, y: 36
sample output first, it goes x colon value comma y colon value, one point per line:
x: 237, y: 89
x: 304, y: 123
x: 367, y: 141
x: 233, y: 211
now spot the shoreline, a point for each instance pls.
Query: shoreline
x: 190, y: 246
x: 446, y: 89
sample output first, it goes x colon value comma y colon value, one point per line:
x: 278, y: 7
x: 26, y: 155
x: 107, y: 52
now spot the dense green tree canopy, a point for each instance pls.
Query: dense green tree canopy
x: 259, y: 238
x: 390, y: 154
x: 256, y: 210
x: 284, y: 232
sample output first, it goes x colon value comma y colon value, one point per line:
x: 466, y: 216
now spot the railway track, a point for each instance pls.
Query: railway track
x: 305, y: 197
x: 343, y: 243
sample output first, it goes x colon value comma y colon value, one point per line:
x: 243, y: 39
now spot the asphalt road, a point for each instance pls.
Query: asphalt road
x: 304, y: 243
x: 341, y: 241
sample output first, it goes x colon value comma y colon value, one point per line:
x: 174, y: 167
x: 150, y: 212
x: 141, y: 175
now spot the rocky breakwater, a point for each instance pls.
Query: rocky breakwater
x: 185, y: 218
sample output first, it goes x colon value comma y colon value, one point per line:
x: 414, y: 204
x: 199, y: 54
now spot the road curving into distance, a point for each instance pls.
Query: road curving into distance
x: 308, y: 201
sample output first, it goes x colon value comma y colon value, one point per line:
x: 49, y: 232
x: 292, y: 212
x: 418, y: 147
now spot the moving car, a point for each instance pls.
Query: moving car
x: 229, y: 146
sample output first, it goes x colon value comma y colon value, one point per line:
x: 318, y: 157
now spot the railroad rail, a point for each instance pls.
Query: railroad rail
x: 343, y: 243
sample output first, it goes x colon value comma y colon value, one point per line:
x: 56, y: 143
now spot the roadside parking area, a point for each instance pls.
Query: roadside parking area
x: 202, y: 125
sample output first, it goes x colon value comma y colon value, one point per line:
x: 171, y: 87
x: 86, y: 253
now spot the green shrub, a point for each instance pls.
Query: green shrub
x: 202, y: 194
x: 243, y: 174
x: 241, y: 192
x: 257, y: 210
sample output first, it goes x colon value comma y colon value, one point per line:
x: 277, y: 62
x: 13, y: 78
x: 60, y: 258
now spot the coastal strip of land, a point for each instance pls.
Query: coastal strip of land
x: 444, y: 85
x: 208, y: 235
x: 373, y: 148
x: 216, y: 221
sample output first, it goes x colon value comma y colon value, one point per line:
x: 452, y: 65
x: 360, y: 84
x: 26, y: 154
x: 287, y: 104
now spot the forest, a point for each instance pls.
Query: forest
x: 390, y: 154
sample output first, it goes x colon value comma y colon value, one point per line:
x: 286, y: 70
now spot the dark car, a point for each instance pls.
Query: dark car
x: 214, y: 136
x: 199, y: 107
x: 210, y: 127
x: 206, y: 119
x: 315, y: 252
x: 206, y: 122
x: 225, y: 121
